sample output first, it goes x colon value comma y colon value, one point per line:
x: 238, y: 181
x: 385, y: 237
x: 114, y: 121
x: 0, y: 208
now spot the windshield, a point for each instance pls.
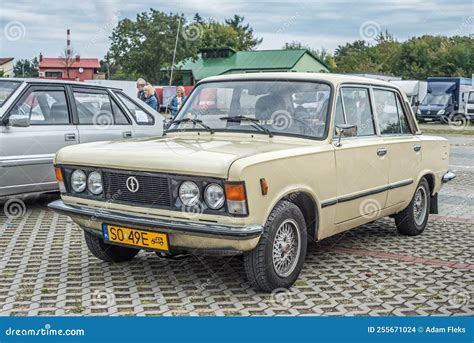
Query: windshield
x: 436, y: 99
x: 279, y: 107
x: 6, y: 89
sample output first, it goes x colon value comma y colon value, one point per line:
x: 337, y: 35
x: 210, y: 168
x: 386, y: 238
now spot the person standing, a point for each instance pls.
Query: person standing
x: 150, y: 97
x: 141, y: 83
x: 177, y: 101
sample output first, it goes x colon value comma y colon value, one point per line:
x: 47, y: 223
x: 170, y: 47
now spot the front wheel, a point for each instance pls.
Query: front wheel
x: 278, y: 258
x: 412, y: 220
x: 108, y: 252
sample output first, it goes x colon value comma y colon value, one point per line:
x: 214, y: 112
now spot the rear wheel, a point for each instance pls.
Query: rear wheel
x: 278, y: 258
x: 108, y: 252
x: 412, y: 220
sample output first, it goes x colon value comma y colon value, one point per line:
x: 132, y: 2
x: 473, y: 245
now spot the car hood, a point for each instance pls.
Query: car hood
x: 196, y: 155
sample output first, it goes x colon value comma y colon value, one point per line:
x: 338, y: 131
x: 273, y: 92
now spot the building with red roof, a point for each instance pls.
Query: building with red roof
x: 74, y: 68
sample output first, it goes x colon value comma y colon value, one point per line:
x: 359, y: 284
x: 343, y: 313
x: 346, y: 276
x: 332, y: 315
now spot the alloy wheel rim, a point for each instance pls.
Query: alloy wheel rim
x: 286, y: 248
x: 420, y: 205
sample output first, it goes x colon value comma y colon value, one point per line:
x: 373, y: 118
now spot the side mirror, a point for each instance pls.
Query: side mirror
x: 19, y: 120
x: 345, y: 130
x: 417, y: 103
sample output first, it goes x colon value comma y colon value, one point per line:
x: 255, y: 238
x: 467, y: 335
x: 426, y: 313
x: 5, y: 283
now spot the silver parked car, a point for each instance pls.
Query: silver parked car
x: 38, y: 117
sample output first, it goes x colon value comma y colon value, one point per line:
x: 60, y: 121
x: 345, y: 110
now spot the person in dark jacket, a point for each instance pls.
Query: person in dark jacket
x: 150, y: 97
x: 141, y: 83
x: 177, y: 101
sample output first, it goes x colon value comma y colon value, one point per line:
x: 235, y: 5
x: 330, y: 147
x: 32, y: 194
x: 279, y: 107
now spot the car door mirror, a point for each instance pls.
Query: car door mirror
x: 19, y: 120
x: 345, y: 130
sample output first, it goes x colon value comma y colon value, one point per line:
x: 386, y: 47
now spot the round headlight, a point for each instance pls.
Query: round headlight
x: 78, y: 181
x: 189, y: 193
x: 94, y: 183
x: 214, y: 196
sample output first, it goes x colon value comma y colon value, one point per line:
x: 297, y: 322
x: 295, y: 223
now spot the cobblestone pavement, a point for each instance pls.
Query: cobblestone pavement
x: 46, y: 269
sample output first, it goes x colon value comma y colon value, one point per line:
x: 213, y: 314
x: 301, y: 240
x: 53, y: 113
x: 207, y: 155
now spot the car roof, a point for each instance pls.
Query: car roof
x: 335, y: 79
x: 53, y: 81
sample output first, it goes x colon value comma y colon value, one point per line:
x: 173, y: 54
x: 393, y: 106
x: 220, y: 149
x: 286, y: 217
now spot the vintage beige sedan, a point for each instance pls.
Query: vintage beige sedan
x: 260, y: 164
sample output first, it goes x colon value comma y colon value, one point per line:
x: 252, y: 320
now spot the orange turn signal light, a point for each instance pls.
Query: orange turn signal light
x: 59, y: 174
x: 235, y: 191
x: 264, y: 186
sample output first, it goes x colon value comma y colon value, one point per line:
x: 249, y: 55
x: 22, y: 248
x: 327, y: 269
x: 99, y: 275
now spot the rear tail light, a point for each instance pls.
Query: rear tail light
x: 236, y: 198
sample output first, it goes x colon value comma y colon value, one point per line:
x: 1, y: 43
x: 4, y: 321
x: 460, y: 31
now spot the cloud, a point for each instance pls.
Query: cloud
x: 317, y: 24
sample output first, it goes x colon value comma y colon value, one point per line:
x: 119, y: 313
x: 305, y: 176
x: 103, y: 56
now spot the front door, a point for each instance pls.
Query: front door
x: 361, y: 161
x: 26, y: 153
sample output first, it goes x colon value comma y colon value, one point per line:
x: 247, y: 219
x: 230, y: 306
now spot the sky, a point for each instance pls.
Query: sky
x: 30, y: 27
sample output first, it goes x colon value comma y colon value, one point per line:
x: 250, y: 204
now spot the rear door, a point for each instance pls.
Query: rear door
x: 404, y: 150
x: 98, y: 116
x: 26, y: 153
x: 147, y: 121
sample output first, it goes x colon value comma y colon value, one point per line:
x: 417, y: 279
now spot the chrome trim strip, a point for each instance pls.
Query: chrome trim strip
x: 345, y: 198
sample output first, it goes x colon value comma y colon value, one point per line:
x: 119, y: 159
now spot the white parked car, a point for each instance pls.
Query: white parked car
x: 38, y: 117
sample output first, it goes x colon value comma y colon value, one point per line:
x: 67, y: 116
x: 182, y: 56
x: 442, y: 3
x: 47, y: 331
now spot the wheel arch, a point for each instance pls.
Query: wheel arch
x: 308, y: 205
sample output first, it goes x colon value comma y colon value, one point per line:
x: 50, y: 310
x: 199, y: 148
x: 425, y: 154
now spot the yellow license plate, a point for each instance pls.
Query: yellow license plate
x: 135, y: 237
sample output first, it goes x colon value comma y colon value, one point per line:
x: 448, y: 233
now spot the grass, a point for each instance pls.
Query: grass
x: 447, y: 132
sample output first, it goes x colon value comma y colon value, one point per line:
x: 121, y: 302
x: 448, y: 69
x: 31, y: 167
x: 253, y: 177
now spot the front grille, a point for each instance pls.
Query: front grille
x: 153, y: 190
x: 470, y: 110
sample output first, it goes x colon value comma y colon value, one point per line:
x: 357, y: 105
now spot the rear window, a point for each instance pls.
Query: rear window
x: 6, y: 89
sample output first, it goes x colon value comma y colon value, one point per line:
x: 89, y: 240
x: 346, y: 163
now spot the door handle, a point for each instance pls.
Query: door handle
x: 127, y: 134
x: 381, y: 151
x: 70, y: 137
x: 417, y: 147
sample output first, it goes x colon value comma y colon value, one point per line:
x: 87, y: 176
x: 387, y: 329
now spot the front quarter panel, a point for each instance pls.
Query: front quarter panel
x: 310, y: 170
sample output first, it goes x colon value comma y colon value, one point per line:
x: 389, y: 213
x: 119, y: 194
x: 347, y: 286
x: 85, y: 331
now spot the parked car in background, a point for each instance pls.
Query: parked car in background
x: 415, y: 91
x: 469, y: 111
x: 259, y: 164
x: 38, y: 117
x: 445, y: 100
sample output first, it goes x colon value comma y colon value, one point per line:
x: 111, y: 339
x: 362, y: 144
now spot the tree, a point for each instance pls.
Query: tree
x: 217, y: 35
x: 26, y: 68
x: 245, y: 37
x: 145, y: 46
x: 323, y: 55
x: 69, y: 57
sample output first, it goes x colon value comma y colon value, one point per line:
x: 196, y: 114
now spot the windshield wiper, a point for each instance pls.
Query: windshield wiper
x: 194, y: 121
x: 255, y: 122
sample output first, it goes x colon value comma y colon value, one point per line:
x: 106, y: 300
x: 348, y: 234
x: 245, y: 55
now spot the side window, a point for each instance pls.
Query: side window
x: 44, y: 107
x: 141, y: 116
x: 387, y: 112
x: 357, y: 109
x: 403, y: 117
x: 97, y: 108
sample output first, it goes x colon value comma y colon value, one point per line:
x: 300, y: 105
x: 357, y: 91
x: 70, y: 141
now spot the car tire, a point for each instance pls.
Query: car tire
x: 278, y: 258
x: 413, y: 219
x: 108, y: 252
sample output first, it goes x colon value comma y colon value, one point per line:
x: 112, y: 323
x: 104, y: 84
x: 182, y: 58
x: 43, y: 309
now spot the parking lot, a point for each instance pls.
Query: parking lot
x: 46, y: 268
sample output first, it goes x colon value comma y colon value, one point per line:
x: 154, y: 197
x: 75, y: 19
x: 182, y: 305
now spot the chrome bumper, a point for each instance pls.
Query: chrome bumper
x: 448, y: 176
x: 182, y: 233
